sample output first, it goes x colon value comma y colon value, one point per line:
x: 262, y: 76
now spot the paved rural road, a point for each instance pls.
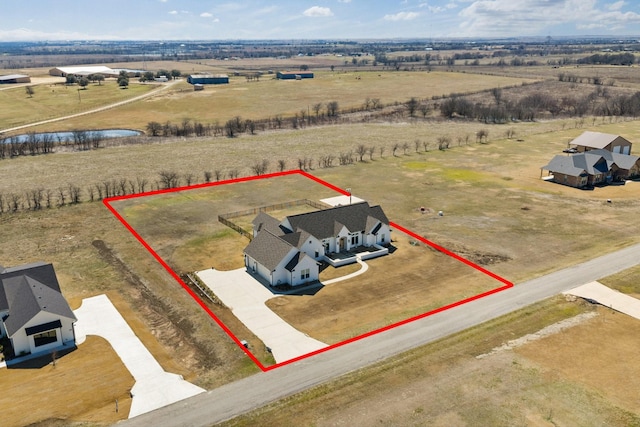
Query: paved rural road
x: 258, y: 390
x: 94, y: 110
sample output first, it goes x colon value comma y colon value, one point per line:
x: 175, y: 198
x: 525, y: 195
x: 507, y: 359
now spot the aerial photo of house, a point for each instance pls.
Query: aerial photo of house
x: 33, y: 313
x: 290, y: 252
x: 594, y: 158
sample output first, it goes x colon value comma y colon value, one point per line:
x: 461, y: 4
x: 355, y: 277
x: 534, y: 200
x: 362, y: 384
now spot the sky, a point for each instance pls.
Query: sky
x: 27, y: 20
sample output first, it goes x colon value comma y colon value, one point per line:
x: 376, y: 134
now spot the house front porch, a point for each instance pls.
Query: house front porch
x: 338, y: 259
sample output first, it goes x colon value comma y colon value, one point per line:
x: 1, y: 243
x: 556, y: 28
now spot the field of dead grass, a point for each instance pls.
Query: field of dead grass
x: 270, y: 97
x: 410, y: 281
x: 444, y: 384
x: 57, y: 100
x: 82, y: 387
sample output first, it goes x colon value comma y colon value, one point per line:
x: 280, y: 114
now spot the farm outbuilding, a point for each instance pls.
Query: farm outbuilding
x: 208, y: 79
x: 294, y: 75
x: 15, y: 78
x: 83, y: 71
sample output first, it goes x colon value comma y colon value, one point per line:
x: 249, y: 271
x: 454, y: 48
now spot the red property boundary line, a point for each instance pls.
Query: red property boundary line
x: 107, y: 202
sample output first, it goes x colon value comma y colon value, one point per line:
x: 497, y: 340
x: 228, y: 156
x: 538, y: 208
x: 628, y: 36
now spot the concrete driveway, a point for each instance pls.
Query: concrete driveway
x: 608, y: 297
x: 246, y: 298
x: 154, y: 388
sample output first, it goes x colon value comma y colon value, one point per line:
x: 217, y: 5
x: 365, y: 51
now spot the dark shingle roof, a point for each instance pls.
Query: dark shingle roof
x: 327, y: 222
x: 264, y: 221
x: 268, y: 249
x: 623, y: 161
x: 591, y: 162
x: 27, y: 290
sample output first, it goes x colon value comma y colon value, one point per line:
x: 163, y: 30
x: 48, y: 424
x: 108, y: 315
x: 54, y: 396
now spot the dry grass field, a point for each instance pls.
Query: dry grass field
x: 497, y: 212
x: 74, y: 389
x: 444, y: 384
x: 270, y: 97
x: 183, y: 229
x: 57, y: 100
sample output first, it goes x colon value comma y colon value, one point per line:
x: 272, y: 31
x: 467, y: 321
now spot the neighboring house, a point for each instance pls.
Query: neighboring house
x: 291, y: 251
x: 593, y: 167
x: 601, y: 141
x: 33, y: 313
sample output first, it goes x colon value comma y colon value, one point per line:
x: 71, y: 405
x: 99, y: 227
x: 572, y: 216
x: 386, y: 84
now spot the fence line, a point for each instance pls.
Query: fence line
x: 224, y: 218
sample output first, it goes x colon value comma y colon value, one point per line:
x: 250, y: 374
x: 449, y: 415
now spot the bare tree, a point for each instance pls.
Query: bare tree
x: 405, y: 147
x: 395, y: 148
x: 317, y: 108
x: 207, y: 176
x: 142, y: 184
x: 74, y: 194
x: 234, y: 173
x: 218, y: 174
x: 416, y: 143
x: 169, y: 179
x: 382, y: 149
x: 62, y: 197
x: 282, y: 164
x: 443, y: 142
x: 361, y: 150
x: 14, y: 202
x: 412, y: 106
x: 370, y: 151
x: 188, y: 178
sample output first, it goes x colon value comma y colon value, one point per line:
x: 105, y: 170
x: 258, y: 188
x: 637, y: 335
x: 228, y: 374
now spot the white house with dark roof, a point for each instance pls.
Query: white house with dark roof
x: 33, y: 313
x: 291, y: 251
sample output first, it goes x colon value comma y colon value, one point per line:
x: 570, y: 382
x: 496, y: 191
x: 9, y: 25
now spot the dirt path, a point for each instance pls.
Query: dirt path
x: 162, y: 88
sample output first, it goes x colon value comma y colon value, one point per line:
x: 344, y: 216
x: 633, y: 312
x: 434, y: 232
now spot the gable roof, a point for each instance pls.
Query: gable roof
x: 592, y: 162
x: 623, y: 161
x: 27, y: 290
x: 264, y: 221
x: 326, y: 223
x: 595, y: 139
x: 268, y: 249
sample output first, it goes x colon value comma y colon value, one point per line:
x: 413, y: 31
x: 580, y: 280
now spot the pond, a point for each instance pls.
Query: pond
x: 71, y: 136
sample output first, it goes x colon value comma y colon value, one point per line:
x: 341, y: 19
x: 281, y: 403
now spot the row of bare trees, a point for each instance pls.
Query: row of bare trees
x: 33, y: 143
x: 71, y: 194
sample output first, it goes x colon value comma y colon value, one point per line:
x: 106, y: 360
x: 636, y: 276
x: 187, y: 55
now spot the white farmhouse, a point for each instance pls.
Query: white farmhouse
x: 33, y: 313
x: 290, y: 252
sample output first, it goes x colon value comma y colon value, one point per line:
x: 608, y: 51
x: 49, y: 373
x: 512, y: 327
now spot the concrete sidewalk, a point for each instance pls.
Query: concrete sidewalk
x: 246, y: 298
x: 608, y: 297
x: 154, y: 388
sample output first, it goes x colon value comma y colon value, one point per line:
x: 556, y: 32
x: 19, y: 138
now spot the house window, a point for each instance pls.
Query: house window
x: 45, y: 338
x: 382, y: 238
x: 304, y: 274
x: 355, y: 240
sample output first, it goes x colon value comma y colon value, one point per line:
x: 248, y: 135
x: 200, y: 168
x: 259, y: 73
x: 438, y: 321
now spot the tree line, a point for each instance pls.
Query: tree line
x: 72, y: 194
x: 33, y: 143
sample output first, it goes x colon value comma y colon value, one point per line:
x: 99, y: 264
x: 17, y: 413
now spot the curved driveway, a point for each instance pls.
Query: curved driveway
x: 258, y: 390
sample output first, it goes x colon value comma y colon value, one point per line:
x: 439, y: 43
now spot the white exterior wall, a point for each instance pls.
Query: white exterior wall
x: 23, y: 344
x: 281, y: 274
x: 385, y: 231
x: 314, y: 271
x: 257, y: 268
x: 311, y: 246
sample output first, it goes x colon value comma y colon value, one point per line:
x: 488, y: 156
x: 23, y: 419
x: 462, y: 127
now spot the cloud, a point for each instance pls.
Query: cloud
x: 206, y: 15
x: 318, y: 11
x: 402, y: 16
x: 344, y: 1
x: 173, y: 12
x: 616, y: 6
x: 533, y: 17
